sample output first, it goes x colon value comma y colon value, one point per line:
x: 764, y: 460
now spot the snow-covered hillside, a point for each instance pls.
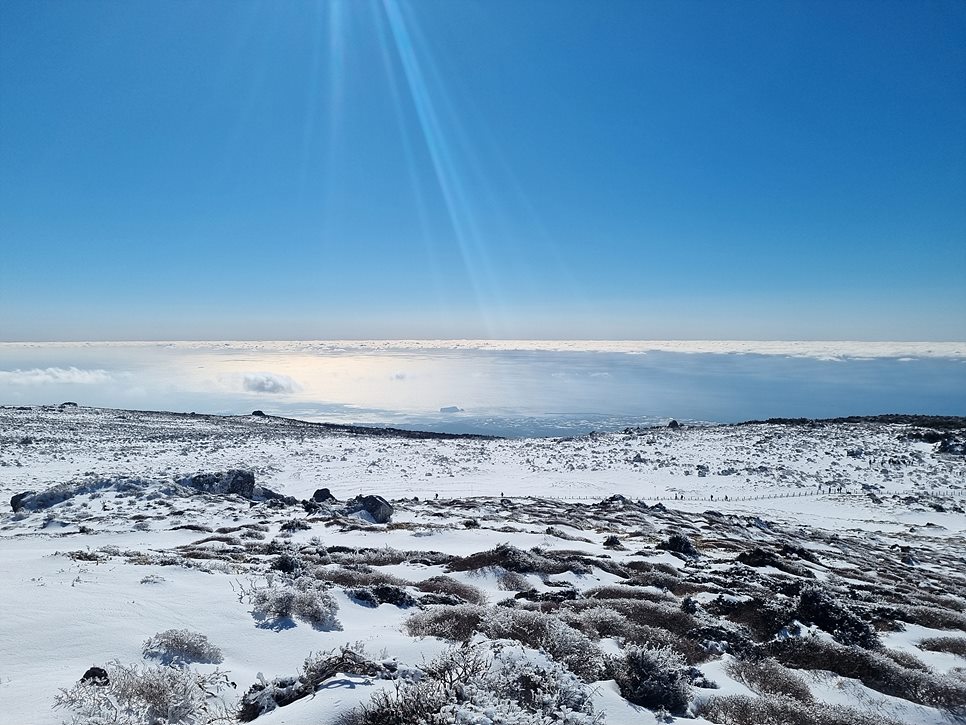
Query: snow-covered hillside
x: 725, y: 574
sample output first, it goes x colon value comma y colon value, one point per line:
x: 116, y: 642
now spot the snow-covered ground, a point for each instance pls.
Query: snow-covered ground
x: 865, y: 518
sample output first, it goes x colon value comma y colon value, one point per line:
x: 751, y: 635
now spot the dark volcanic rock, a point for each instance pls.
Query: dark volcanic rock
x: 95, y: 676
x: 376, y: 506
x: 322, y: 495
x: 16, y: 501
x: 673, y: 424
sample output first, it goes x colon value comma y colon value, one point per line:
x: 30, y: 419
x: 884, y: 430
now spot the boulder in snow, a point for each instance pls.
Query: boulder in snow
x: 376, y: 506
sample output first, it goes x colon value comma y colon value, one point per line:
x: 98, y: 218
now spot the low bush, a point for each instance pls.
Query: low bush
x: 783, y: 710
x: 769, y: 677
x: 510, y: 581
x: 142, y: 695
x: 295, y: 525
x: 359, y: 575
x: 953, y: 645
x: 679, y: 544
x: 533, y: 629
x: 378, y: 594
x: 303, y: 600
x: 819, y: 606
x: 509, y: 558
x: 458, y: 623
x: 265, y: 696
x: 873, y: 670
x: 763, y: 618
x: 933, y: 617
x: 546, y: 632
x: 595, y: 622
x: 655, y: 614
x: 619, y: 591
x: 448, y: 585
x: 653, y: 677
x: 180, y: 647
x: 287, y: 563
x: 478, y: 684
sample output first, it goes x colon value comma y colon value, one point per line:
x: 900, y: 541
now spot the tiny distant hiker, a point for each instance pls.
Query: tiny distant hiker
x: 436, y: 497
x: 501, y: 494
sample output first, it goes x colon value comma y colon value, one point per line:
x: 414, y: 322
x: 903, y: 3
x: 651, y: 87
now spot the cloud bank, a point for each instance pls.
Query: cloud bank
x: 54, y: 376
x: 824, y: 350
x: 270, y: 383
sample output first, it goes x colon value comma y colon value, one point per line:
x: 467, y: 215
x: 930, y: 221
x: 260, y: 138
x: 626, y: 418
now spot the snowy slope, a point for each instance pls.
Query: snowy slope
x: 874, y: 513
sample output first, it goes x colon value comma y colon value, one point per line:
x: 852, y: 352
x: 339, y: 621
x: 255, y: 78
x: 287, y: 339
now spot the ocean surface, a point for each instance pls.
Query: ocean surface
x: 512, y: 388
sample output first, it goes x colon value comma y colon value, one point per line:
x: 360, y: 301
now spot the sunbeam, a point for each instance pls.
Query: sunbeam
x: 437, y: 136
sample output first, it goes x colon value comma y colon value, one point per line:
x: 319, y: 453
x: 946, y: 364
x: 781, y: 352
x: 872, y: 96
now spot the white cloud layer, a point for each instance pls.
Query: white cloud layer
x: 823, y: 350
x: 54, y: 376
x: 270, y: 383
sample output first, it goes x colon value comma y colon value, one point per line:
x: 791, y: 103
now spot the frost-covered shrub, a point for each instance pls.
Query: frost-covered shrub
x: 510, y: 558
x: 295, y: 525
x: 448, y: 585
x: 934, y: 617
x: 872, y: 669
x: 287, y: 563
x: 779, y: 709
x: 595, y: 622
x: 356, y: 575
x: 510, y: 581
x: 458, y: 623
x: 476, y: 685
x: 264, y: 696
x: 953, y: 645
x: 537, y: 683
x: 303, y: 600
x: 763, y: 617
x: 819, y: 606
x: 655, y: 614
x: 903, y: 658
x: 656, y: 637
x: 619, y: 591
x: 652, y: 677
x: 378, y: 594
x: 679, y: 544
x: 148, y: 695
x: 533, y: 629
x: 769, y: 677
x: 546, y: 632
x: 180, y: 647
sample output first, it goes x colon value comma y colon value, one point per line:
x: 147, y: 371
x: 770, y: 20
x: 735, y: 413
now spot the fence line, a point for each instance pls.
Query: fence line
x: 825, y: 491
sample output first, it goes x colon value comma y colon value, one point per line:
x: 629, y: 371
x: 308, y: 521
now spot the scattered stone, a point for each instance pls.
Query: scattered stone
x: 17, y: 500
x: 376, y: 506
x: 322, y: 495
x: 95, y: 676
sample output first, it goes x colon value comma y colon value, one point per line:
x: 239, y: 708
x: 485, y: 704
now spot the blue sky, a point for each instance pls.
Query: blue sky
x: 447, y: 168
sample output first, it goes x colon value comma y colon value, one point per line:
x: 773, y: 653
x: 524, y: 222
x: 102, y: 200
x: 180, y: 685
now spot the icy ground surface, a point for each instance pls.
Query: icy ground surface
x: 873, y: 513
